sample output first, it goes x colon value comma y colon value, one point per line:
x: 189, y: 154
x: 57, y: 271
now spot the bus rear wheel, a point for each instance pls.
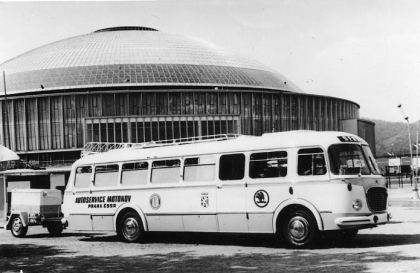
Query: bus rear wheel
x: 130, y: 228
x: 18, y: 230
x: 299, y: 229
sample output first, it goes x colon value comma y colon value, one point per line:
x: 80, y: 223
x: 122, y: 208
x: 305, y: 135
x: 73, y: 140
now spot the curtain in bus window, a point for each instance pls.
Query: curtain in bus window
x: 134, y: 173
x: 166, y: 171
x: 232, y: 167
x: 199, y: 169
x: 83, y: 176
x: 106, y: 175
x: 268, y: 165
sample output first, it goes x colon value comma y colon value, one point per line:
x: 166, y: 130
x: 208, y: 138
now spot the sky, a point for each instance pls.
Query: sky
x: 364, y: 51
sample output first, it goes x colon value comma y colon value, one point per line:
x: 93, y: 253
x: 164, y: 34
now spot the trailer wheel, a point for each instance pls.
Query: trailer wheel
x: 55, y: 229
x: 18, y: 230
x: 299, y: 229
x: 130, y: 228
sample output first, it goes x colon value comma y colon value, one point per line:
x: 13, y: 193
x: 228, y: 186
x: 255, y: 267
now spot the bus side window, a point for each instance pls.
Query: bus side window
x: 106, y: 175
x: 166, y: 171
x: 268, y: 165
x: 199, y: 169
x: 311, y: 162
x: 232, y: 167
x: 134, y: 173
x: 83, y: 176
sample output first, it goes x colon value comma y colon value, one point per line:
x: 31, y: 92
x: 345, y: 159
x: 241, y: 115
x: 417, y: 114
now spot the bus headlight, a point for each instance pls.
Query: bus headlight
x: 357, y: 204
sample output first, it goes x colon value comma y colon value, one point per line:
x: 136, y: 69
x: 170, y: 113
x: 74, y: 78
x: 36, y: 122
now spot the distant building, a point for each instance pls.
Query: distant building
x: 137, y: 84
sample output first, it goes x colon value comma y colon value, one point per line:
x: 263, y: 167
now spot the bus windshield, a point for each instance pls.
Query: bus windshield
x: 348, y: 159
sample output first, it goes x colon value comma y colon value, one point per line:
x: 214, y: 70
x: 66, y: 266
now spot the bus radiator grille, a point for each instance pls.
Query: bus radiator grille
x: 377, y: 198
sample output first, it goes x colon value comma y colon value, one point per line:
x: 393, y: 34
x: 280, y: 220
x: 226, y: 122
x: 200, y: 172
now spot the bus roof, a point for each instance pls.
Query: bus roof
x: 289, y: 139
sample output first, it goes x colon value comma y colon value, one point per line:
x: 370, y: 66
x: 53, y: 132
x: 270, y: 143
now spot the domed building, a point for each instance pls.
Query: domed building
x: 137, y: 84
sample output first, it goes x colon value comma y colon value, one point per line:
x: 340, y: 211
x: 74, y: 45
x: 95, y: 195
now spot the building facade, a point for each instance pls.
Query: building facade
x: 137, y: 84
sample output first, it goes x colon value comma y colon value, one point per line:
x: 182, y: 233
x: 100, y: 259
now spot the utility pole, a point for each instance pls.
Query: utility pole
x: 415, y: 190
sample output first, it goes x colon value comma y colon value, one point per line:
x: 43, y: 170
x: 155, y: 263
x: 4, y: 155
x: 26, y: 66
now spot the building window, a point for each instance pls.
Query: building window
x: 146, y: 129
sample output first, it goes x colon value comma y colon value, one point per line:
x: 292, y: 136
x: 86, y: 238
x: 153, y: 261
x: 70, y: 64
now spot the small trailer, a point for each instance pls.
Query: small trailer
x: 32, y: 207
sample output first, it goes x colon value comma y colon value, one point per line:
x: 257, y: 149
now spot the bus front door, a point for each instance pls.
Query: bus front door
x: 78, y: 202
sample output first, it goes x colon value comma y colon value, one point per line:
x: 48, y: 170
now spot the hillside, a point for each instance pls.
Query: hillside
x: 392, y: 137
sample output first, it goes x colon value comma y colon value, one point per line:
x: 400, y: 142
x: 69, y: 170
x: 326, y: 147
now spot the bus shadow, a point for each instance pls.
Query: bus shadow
x: 383, y: 240
x: 68, y: 234
x: 263, y: 240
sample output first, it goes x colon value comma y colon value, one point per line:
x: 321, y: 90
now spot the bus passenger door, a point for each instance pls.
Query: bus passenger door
x: 199, y: 213
x: 77, y: 205
x: 265, y: 192
x: 231, y: 194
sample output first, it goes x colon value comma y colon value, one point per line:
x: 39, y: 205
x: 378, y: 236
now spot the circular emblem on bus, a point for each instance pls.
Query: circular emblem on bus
x: 261, y: 198
x: 155, y: 201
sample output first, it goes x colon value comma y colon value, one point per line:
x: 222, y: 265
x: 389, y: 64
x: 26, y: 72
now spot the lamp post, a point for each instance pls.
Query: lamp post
x: 417, y: 157
x: 415, y: 190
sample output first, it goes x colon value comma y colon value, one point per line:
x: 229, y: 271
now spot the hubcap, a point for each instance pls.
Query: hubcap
x: 298, y: 228
x: 131, y: 228
x: 17, y: 225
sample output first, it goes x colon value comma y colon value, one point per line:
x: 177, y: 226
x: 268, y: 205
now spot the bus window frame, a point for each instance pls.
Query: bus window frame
x: 334, y: 159
x: 91, y: 177
x: 371, y: 162
x: 267, y: 160
x: 213, y: 163
x: 147, y: 178
x: 326, y: 167
x: 180, y: 170
x: 244, y: 175
x: 117, y: 176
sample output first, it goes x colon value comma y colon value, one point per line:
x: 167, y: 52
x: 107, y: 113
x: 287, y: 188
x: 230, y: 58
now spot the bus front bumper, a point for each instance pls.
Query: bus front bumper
x: 371, y: 220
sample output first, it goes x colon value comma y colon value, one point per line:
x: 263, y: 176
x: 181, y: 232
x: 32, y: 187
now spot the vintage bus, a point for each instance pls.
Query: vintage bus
x: 295, y: 185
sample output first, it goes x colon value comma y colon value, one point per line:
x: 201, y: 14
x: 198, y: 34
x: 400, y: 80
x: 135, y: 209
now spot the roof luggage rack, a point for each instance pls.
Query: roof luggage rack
x: 102, y: 147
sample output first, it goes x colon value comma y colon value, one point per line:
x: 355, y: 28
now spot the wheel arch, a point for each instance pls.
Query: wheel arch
x: 23, y: 216
x: 293, y: 204
x: 126, y: 208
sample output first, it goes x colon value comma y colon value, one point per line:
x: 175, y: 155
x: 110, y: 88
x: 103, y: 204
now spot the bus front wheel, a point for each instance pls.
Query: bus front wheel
x: 299, y: 229
x: 130, y: 228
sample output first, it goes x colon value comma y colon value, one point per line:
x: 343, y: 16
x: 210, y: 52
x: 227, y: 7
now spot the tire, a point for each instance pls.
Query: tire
x: 18, y: 230
x: 55, y: 229
x: 299, y: 229
x: 130, y: 228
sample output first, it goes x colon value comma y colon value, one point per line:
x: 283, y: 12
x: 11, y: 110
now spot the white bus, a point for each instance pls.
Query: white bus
x: 292, y: 184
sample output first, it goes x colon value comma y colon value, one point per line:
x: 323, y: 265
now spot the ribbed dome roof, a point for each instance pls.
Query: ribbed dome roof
x: 135, y: 56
